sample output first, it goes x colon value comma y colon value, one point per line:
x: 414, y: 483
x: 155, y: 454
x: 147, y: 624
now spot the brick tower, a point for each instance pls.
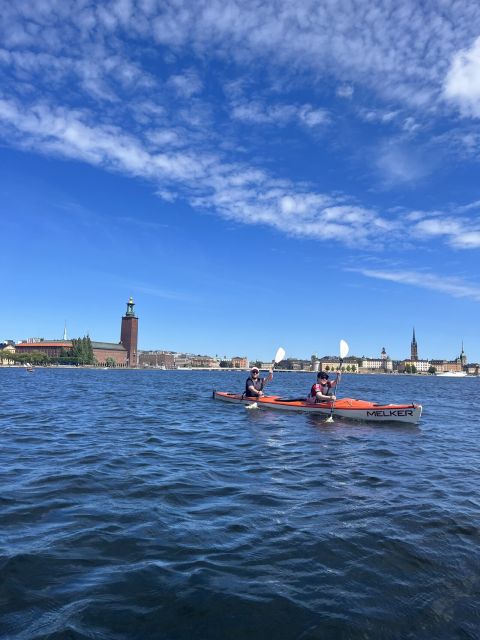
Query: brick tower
x: 129, y: 334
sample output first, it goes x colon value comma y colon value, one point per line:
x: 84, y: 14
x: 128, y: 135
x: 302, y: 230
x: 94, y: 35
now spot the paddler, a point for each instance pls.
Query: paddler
x: 321, y: 391
x: 254, y: 385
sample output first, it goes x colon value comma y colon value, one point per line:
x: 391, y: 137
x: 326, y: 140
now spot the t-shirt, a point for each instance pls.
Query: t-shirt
x: 256, y: 384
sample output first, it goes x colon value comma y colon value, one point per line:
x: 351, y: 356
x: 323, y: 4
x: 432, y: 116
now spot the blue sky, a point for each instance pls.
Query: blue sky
x: 254, y: 174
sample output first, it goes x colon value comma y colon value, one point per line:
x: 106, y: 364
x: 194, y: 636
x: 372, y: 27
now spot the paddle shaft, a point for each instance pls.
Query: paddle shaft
x: 336, y: 388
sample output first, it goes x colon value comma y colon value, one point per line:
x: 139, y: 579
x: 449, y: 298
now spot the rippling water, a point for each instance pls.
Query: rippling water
x: 133, y: 506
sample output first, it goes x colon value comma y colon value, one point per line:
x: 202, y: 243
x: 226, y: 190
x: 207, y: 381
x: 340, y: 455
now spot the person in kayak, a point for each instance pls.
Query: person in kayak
x: 321, y: 391
x: 254, y: 385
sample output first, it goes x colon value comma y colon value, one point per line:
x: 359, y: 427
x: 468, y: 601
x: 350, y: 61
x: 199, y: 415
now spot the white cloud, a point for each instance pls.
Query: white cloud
x: 460, y: 233
x: 186, y: 84
x: 260, y: 112
x: 462, y: 84
x: 379, y: 115
x: 410, y: 125
x: 454, y: 287
x: 401, y: 51
x: 63, y: 56
x: 235, y: 191
x: 345, y: 91
x: 208, y: 181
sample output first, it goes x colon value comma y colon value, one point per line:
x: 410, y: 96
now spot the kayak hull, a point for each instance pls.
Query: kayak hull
x: 344, y: 408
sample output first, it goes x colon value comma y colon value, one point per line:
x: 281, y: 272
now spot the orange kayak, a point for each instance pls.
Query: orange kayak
x: 343, y: 407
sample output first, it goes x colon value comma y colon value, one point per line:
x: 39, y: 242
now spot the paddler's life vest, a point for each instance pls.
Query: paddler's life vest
x: 324, y: 389
x: 256, y: 384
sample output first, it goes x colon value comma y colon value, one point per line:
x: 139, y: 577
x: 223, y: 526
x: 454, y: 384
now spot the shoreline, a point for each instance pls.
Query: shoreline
x: 244, y: 371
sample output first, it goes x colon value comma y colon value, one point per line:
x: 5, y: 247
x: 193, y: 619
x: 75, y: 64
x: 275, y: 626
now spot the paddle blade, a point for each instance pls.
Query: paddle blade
x: 280, y: 355
x: 344, y: 349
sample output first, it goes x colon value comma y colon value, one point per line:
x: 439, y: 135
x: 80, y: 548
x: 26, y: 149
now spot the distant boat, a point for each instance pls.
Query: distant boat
x: 29, y: 367
x: 452, y: 374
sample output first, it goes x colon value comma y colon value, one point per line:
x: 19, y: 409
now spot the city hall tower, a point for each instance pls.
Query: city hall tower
x: 129, y: 334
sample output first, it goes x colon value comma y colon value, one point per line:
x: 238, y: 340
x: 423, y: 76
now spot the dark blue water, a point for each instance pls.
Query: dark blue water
x: 132, y: 506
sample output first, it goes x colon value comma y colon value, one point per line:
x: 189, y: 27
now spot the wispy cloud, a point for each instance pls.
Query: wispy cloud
x: 309, y: 36
x: 459, y: 233
x: 399, y: 162
x: 345, y: 91
x: 233, y: 190
x: 259, y: 112
x: 81, y: 84
x: 186, y: 84
x: 454, y: 287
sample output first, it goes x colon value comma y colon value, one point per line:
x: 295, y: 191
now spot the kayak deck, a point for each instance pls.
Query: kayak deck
x: 343, y: 407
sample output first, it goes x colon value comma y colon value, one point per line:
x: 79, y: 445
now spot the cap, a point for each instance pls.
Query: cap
x: 255, y: 369
x: 322, y: 374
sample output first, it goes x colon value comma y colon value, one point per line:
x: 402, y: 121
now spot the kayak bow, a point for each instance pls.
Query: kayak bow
x: 344, y: 408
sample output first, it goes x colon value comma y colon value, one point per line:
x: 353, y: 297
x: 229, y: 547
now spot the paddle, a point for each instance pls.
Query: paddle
x: 344, y: 348
x: 279, y: 356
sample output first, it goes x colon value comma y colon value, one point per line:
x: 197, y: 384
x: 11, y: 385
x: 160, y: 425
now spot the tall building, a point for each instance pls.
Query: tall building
x: 413, y: 348
x: 129, y: 334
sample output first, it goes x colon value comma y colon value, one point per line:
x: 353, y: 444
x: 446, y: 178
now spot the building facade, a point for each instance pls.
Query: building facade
x: 156, y: 359
x: 377, y: 364
x: 240, y: 362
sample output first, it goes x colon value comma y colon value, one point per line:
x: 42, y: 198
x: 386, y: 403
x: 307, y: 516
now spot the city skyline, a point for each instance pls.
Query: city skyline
x: 253, y: 177
x: 230, y: 355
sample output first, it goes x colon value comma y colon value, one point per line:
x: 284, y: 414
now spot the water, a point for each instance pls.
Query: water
x: 132, y: 506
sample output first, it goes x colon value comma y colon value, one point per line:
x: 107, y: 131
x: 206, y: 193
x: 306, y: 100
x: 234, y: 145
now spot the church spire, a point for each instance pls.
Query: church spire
x: 463, y: 357
x: 413, y: 348
x: 65, y: 331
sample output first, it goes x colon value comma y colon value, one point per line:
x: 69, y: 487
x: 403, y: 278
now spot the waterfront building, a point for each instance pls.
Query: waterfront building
x: 377, y: 364
x: 441, y: 366
x: 421, y: 366
x: 157, y: 359
x: 328, y: 363
x: 418, y: 366
x: 182, y: 360
x: 7, y: 349
x: 121, y: 354
x: 240, y: 362
x: 51, y: 348
x: 205, y: 362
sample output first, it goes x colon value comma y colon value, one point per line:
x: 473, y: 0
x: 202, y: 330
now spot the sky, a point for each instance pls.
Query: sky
x: 255, y: 174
